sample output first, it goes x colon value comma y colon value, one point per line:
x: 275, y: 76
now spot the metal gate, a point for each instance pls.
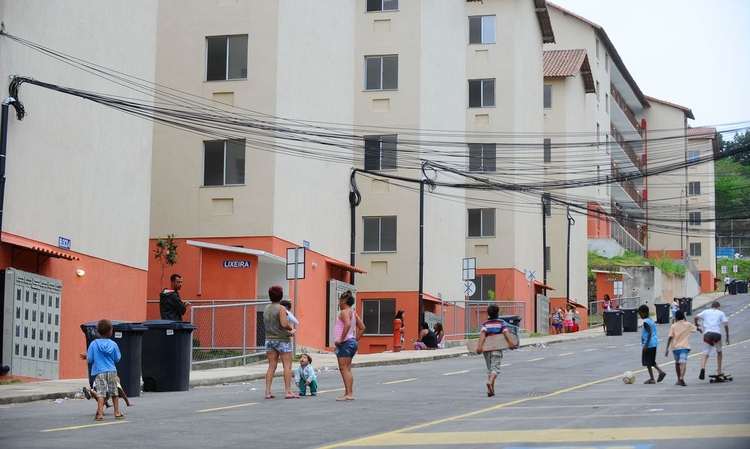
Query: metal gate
x: 31, y: 324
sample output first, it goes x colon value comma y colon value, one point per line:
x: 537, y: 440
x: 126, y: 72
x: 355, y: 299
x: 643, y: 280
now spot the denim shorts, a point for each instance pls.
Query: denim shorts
x: 347, y: 348
x: 282, y: 347
x: 680, y: 355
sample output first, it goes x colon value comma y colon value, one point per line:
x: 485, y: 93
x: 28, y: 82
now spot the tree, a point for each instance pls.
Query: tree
x: 166, y: 254
x: 741, y: 145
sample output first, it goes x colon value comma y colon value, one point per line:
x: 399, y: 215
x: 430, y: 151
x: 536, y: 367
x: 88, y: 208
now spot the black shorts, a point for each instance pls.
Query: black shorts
x: 648, y: 357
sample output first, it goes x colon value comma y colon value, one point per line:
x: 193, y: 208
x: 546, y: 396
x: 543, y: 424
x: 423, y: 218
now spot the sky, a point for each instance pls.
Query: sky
x: 695, y: 53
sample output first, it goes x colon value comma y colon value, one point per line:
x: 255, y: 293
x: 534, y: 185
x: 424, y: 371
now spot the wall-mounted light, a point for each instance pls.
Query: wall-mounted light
x: 314, y: 264
x: 80, y: 273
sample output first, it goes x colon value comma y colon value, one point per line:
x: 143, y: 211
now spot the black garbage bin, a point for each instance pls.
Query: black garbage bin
x: 689, y: 308
x: 166, y: 355
x: 613, y: 320
x: 733, y: 288
x: 515, y: 322
x: 630, y: 320
x: 741, y: 287
x: 129, y: 338
x: 662, y: 313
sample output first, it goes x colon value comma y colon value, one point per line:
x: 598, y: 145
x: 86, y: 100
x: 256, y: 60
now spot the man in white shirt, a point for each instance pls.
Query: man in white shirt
x: 713, y: 319
x: 727, y: 280
x: 675, y: 308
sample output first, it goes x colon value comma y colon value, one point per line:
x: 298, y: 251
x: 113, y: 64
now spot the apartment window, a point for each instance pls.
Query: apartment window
x: 377, y: 316
x: 485, y: 284
x: 547, y: 96
x: 481, y: 93
x: 606, y: 102
x: 482, y: 157
x: 694, y: 188
x: 598, y: 135
x: 381, y: 72
x: 606, y: 62
x: 597, y: 49
x: 379, y: 234
x: 481, y: 222
x: 547, y: 261
x: 382, y: 5
x: 380, y: 153
x: 597, y: 91
x: 547, y: 150
x: 695, y: 249
x: 482, y: 30
x: 226, y: 58
x: 547, y: 204
x: 694, y: 219
x: 223, y: 162
x: 693, y: 156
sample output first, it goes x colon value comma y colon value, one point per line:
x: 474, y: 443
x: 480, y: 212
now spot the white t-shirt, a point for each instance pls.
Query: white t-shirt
x: 712, y: 320
x: 727, y: 280
x: 675, y: 306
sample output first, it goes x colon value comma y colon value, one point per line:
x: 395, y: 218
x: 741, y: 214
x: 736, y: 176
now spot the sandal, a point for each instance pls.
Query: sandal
x: 291, y: 396
x: 120, y: 416
x: 98, y: 418
x: 270, y: 396
x: 661, y: 377
x: 650, y: 381
x: 490, y: 390
x: 344, y: 398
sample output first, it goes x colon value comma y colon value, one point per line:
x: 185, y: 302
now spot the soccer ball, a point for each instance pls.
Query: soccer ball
x: 628, y: 377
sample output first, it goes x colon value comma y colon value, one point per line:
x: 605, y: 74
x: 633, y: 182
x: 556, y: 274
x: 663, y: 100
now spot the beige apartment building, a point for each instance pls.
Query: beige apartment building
x: 75, y: 218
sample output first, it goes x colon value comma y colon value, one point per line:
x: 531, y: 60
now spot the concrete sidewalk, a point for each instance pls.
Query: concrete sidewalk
x: 55, y: 389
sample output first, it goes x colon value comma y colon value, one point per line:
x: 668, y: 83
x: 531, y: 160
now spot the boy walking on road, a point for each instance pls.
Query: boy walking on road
x: 713, y: 319
x: 680, y: 334
x: 649, y: 342
x: 103, y: 353
x: 493, y: 326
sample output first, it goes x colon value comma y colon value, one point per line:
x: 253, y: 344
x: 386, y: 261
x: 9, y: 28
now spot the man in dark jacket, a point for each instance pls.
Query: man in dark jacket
x: 170, y: 304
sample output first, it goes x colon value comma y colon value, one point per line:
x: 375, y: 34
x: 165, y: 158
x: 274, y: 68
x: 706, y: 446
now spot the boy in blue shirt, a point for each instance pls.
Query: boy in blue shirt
x: 103, y: 353
x: 649, y: 342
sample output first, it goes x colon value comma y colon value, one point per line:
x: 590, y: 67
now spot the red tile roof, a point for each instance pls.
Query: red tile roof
x: 559, y: 63
x: 701, y: 133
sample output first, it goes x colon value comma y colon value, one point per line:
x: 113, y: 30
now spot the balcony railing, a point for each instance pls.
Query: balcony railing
x: 617, y: 98
x: 627, y: 148
x: 626, y: 233
x: 627, y: 186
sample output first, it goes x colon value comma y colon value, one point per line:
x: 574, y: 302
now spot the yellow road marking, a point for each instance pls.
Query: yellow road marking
x: 557, y: 435
x: 330, y: 391
x: 85, y: 426
x: 225, y: 408
x: 399, y: 381
x: 457, y: 372
x: 567, y: 353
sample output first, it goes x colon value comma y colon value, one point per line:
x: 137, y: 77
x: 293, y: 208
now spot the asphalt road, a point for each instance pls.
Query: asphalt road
x: 567, y: 395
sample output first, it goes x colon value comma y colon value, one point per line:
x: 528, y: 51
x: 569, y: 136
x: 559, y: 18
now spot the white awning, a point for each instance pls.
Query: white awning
x: 237, y: 249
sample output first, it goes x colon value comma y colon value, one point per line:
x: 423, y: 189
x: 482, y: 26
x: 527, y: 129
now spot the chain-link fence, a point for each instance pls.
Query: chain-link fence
x: 226, y: 330
x: 596, y: 308
x: 463, y: 319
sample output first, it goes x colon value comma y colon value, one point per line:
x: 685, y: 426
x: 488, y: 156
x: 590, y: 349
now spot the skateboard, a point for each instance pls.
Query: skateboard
x: 491, y: 343
x: 716, y: 378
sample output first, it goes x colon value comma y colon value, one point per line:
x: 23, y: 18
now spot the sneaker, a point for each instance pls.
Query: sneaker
x: 87, y: 392
x: 313, y: 394
x: 702, y: 375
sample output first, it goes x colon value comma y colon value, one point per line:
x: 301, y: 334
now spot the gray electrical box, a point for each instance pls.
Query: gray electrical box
x: 31, y: 324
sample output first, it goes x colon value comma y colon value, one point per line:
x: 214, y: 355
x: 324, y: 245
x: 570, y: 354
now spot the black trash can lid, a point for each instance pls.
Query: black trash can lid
x: 128, y: 327
x: 614, y: 311
x: 168, y: 324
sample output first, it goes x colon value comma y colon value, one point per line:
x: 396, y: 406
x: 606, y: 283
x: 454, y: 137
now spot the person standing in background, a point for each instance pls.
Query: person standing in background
x: 398, y: 331
x: 171, y: 306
